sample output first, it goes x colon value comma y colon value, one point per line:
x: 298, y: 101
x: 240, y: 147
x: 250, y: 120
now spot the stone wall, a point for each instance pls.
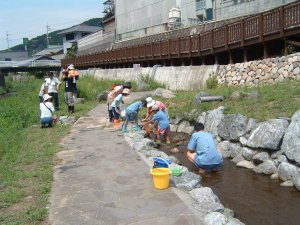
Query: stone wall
x: 266, y: 71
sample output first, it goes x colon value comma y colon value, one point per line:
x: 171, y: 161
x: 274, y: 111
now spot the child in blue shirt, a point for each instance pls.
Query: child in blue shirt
x: 162, y: 120
x: 115, y: 106
x: 202, y: 150
x: 132, y: 113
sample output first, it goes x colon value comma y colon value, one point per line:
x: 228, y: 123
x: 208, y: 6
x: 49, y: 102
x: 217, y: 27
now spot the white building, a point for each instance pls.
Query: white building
x: 146, y: 17
x: 71, y: 35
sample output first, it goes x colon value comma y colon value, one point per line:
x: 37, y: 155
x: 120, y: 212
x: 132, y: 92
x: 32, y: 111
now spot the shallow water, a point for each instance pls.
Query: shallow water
x: 255, y: 199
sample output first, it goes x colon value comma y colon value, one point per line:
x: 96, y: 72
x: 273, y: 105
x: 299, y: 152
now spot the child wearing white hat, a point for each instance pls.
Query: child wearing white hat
x: 115, y: 106
x: 163, y: 122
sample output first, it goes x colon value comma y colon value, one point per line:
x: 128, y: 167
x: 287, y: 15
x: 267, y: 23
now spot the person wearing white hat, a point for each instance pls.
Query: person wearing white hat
x: 47, y: 110
x: 163, y: 122
x: 150, y: 103
x: 115, y: 105
x: 116, y: 90
x: 74, y: 76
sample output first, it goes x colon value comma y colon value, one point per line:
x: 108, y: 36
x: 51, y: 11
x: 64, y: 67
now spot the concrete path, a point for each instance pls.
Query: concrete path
x: 101, y: 180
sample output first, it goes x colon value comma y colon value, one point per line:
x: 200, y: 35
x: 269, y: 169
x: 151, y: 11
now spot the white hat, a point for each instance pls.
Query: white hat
x: 71, y: 67
x: 154, y: 107
x: 125, y: 91
x: 150, y: 104
x: 149, y: 99
x: 46, y: 97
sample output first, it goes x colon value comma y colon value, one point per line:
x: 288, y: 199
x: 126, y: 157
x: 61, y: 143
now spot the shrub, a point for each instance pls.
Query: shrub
x: 212, y: 81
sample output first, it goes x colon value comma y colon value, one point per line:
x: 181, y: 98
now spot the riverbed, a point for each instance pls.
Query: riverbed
x: 255, y: 198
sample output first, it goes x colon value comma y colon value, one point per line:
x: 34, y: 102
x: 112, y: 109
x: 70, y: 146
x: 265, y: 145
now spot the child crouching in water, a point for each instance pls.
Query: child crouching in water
x: 163, y: 125
x: 132, y: 114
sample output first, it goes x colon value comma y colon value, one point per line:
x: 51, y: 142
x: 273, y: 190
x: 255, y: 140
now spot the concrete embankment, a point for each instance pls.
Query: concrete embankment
x: 175, y: 78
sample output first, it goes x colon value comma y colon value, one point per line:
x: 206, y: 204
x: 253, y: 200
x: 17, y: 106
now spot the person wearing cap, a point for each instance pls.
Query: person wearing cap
x: 73, y: 75
x: 161, y: 106
x: 202, y: 150
x: 42, y: 91
x: 47, y: 110
x: 132, y: 114
x: 69, y: 87
x: 52, y: 86
x: 116, y: 90
x: 163, y: 122
x: 115, y: 105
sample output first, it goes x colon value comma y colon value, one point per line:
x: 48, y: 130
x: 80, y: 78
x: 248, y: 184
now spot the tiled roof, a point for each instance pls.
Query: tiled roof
x: 81, y: 28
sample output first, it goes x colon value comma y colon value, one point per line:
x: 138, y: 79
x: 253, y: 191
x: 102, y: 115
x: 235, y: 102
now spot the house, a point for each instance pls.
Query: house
x: 55, y: 52
x: 71, y: 35
x: 13, y: 55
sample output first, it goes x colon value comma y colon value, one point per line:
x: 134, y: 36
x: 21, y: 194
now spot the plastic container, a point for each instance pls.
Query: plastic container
x: 161, y: 177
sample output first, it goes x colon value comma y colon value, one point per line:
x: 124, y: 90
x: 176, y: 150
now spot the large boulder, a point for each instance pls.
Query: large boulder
x: 164, y: 93
x: 232, y: 127
x: 291, y: 140
x: 268, y: 134
x: 186, y: 181
x: 216, y: 218
x: 287, y: 171
x: 213, y: 119
x: 185, y: 127
x: 206, y: 201
x: 268, y: 168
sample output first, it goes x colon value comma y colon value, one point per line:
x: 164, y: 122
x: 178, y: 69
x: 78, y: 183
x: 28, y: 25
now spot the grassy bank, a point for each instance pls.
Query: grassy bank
x: 27, y: 152
x: 278, y: 100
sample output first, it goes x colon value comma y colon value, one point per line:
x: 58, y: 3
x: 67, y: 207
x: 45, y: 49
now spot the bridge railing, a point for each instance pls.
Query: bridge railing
x: 273, y: 24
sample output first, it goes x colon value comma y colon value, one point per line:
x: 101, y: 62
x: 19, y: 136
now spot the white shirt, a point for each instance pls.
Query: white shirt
x: 45, y: 112
x: 41, y: 93
x: 51, y: 84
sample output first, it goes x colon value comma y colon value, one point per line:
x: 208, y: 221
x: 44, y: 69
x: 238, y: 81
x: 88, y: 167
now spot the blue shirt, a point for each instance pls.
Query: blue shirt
x: 117, y: 101
x: 162, y: 119
x: 207, y: 153
x: 134, y: 107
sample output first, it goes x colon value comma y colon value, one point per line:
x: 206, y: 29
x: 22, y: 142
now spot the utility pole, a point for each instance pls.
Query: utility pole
x: 7, y: 40
x: 48, y: 29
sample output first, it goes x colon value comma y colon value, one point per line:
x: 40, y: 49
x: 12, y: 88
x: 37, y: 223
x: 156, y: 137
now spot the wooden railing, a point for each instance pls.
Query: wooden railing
x: 274, y: 24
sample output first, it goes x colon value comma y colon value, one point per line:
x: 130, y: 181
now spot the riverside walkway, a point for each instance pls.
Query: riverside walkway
x: 100, y: 180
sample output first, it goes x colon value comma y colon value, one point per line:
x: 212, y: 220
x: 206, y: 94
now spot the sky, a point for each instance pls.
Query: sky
x: 29, y: 18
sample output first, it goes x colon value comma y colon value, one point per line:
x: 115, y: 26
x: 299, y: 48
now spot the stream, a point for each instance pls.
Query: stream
x: 255, y: 198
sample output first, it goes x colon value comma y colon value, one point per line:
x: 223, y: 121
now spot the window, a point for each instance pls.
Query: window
x: 7, y: 59
x: 84, y: 34
x: 70, y: 37
x: 200, y: 4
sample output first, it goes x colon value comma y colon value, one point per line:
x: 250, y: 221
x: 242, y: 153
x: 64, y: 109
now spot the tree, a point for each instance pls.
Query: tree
x: 72, y: 52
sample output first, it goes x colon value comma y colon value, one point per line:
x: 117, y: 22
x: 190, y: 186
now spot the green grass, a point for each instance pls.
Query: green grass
x: 278, y: 100
x: 27, y: 152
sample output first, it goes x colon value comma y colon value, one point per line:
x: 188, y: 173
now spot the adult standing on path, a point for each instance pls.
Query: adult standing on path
x: 52, y: 87
x: 74, y: 76
x: 69, y: 97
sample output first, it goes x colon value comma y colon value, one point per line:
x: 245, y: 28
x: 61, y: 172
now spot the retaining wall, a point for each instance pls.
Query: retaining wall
x: 175, y: 78
x: 266, y: 71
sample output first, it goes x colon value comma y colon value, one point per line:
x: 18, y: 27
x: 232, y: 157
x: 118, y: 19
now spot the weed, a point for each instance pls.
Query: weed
x: 212, y: 81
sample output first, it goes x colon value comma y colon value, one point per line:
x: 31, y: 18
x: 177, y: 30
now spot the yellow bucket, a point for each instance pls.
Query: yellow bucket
x: 161, y: 177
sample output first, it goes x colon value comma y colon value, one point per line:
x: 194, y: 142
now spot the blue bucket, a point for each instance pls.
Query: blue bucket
x: 160, y: 163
